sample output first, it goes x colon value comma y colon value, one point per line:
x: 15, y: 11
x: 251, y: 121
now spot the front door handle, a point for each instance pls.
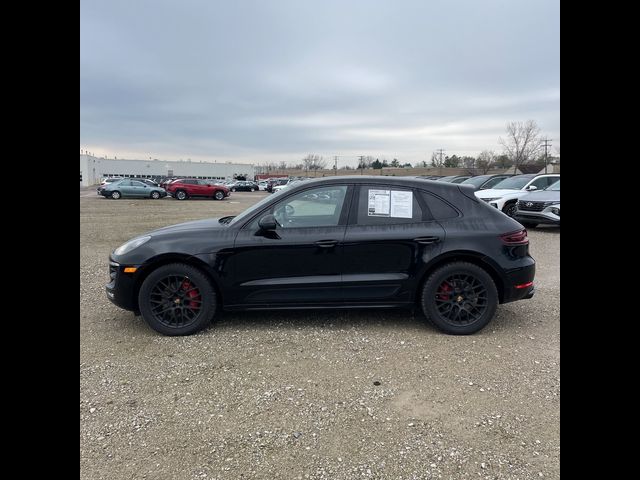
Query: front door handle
x: 327, y: 243
x: 426, y: 240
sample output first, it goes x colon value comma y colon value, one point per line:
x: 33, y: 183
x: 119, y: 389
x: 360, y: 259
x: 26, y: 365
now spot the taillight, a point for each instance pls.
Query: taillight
x: 515, y: 238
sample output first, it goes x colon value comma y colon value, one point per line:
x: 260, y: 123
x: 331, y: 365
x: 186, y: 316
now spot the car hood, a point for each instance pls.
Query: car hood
x: 495, y: 192
x: 206, y: 224
x: 542, y: 196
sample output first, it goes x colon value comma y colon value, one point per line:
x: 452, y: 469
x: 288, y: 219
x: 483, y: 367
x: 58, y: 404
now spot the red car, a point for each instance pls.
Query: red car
x: 193, y: 187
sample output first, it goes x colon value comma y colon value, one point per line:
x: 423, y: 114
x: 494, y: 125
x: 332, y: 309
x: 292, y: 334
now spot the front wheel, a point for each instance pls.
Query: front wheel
x: 115, y: 195
x: 219, y: 195
x: 459, y: 298
x: 510, y: 209
x: 177, y: 299
x: 233, y: 189
x: 181, y: 195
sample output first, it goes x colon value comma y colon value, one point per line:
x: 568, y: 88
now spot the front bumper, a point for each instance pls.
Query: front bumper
x: 121, y: 287
x: 545, y: 216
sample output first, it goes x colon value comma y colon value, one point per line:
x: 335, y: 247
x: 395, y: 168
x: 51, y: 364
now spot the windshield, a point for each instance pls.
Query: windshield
x: 554, y: 186
x: 253, y: 209
x: 513, y: 183
x: 476, y: 181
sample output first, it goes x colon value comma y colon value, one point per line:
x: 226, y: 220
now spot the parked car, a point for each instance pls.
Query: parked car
x: 243, y: 186
x: 108, y: 180
x: 505, y: 194
x: 335, y: 242
x: 274, y: 182
x: 193, y: 187
x: 482, y: 182
x: 540, y: 207
x: 262, y: 185
x: 129, y: 187
x: 148, y: 181
x: 453, y: 178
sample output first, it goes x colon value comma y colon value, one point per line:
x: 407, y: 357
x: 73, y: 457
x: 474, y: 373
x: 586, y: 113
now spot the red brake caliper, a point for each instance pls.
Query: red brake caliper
x: 444, y: 291
x: 193, y: 294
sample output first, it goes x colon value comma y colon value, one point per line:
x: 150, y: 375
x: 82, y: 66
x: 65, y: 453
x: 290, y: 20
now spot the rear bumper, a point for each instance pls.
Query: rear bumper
x: 518, y: 283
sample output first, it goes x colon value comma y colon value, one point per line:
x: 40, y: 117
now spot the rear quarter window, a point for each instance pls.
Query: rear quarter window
x: 440, y: 209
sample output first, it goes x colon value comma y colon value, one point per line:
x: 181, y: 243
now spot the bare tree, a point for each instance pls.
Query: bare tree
x: 486, y: 161
x: 313, y: 162
x: 522, y: 142
x: 436, y: 160
x: 283, y: 165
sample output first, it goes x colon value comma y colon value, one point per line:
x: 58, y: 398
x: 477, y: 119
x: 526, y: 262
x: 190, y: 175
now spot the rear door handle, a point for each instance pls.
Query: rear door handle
x: 426, y: 240
x: 327, y: 243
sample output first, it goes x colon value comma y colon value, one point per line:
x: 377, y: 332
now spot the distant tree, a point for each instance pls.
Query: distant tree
x: 485, y: 161
x: 452, y: 161
x: 503, y: 161
x: 377, y: 165
x: 395, y: 163
x: 385, y: 163
x: 347, y: 167
x: 406, y: 165
x: 313, y: 162
x: 437, y: 160
x: 422, y: 164
x: 522, y: 143
x: 283, y: 165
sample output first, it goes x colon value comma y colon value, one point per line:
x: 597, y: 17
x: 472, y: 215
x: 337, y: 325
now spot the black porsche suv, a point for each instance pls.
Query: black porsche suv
x: 340, y: 242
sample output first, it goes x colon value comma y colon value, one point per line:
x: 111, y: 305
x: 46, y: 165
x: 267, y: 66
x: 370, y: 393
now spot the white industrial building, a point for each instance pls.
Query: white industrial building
x: 93, y: 169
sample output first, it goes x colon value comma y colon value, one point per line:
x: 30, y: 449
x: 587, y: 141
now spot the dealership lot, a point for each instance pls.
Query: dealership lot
x: 322, y: 394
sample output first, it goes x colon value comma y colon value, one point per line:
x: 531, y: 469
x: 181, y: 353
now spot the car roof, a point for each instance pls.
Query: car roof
x: 380, y: 180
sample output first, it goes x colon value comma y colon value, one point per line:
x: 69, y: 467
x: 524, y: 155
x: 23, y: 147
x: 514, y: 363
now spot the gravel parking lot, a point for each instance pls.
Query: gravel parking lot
x: 311, y: 395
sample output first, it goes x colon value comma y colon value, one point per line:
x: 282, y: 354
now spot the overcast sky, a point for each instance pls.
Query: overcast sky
x: 272, y: 80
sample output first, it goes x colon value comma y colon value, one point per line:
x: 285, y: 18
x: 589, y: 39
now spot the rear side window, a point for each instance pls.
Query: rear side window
x: 384, y: 205
x: 439, y: 208
x: 493, y: 181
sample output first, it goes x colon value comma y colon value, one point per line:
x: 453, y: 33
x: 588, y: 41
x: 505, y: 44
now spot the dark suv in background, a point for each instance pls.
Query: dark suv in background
x: 193, y: 187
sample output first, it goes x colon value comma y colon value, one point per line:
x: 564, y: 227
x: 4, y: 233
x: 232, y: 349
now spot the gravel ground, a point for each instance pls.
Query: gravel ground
x: 311, y: 395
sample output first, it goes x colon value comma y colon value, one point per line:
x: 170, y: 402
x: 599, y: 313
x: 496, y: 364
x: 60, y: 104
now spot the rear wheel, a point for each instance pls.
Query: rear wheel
x: 115, y: 195
x: 155, y: 195
x: 177, y: 299
x: 459, y: 298
x: 510, y: 209
x: 181, y: 195
x: 233, y: 189
x: 219, y: 195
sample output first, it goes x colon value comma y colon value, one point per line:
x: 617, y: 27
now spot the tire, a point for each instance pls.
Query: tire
x: 463, y: 317
x: 155, y: 195
x: 219, y: 195
x: 529, y: 224
x: 510, y: 209
x: 116, y: 195
x: 181, y: 195
x: 195, y: 296
x: 233, y: 189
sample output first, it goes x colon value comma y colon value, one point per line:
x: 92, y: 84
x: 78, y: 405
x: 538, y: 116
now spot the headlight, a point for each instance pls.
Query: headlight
x: 131, y: 244
x: 490, y: 199
x: 555, y: 211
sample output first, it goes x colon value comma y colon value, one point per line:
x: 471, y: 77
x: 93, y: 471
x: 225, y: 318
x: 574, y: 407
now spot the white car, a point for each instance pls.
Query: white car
x: 505, y: 194
x: 262, y: 185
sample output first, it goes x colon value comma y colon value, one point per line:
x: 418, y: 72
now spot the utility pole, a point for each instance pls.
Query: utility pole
x: 335, y: 165
x: 440, y: 151
x: 546, y: 145
x: 361, y: 164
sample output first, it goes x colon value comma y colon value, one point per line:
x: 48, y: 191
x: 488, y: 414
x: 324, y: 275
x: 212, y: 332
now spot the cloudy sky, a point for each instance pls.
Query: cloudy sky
x: 272, y: 80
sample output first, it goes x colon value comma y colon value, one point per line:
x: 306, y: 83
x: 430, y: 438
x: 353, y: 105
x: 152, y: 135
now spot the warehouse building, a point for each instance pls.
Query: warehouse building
x: 94, y: 169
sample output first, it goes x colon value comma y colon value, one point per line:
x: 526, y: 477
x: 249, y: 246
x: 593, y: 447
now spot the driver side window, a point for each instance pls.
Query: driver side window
x: 317, y: 207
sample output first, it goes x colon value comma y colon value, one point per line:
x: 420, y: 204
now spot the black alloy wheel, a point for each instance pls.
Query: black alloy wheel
x: 177, y: 299
x: 460, y: 298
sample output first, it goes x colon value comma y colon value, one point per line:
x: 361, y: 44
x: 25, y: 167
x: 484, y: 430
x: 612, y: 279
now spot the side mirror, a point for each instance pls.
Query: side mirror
x: 268, y: 222
x: 532, y: 187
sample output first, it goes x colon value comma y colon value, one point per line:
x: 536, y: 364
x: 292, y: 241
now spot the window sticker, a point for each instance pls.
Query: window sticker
x: 401, y: 204
x: 379, y: 203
